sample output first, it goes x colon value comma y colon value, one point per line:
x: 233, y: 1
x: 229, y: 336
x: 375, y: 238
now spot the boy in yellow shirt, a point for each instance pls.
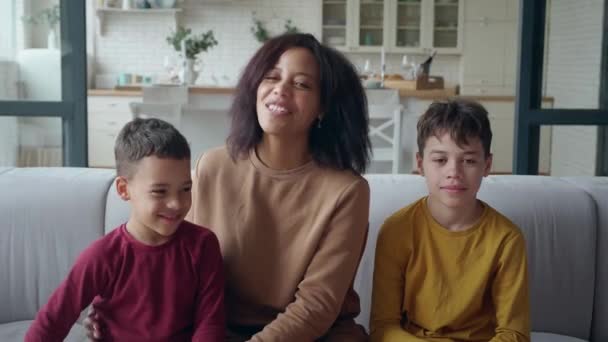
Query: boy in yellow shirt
x: 449, y: 267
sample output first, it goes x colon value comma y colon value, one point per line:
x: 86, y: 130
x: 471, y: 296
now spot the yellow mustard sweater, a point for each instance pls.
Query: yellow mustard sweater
x: 432, y: 284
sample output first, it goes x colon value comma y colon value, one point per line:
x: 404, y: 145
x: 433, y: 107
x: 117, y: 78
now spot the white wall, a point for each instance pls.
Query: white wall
x: 136, y: 43
x: 573, y: 76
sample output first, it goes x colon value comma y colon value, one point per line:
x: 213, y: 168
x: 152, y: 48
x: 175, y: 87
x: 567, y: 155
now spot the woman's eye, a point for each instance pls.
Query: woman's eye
x: 302, y: 85
x: 439, y: 161
x: 470, y: 161
x: 187, y: 189
x: 271, y: 77
x: 158, y: 192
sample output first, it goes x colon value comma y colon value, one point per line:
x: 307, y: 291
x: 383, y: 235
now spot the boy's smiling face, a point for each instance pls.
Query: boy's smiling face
x: 453, y: 173
x: 159, y: 192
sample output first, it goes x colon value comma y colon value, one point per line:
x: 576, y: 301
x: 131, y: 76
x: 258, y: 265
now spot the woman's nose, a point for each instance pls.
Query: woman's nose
x: 280, y: 88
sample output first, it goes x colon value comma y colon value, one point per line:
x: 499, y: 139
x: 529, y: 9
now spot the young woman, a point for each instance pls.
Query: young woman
x: 285, y: 197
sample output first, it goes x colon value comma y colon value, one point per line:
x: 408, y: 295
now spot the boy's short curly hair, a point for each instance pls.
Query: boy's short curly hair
x: 147, y: 137
x: 462, y: 119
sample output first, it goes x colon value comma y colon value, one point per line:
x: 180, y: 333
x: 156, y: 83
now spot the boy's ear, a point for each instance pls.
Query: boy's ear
x: 488, y: 165
x: 419, y: 164
x: 122, y: 188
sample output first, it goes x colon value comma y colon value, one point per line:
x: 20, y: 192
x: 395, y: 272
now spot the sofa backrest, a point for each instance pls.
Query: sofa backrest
x: 559, y: 222
x: 49, y: 215
x: 597, y: 187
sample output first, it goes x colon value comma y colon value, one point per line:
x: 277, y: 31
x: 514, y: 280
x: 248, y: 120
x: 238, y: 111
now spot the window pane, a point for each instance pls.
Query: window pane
x: 573, y: 50
x: 30, y: 141
x: 30, y: 63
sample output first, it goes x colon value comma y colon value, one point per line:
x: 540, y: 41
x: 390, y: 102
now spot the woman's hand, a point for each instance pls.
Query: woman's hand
x: 92, y: 325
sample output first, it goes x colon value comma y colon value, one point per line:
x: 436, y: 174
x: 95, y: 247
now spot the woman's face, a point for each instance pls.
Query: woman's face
x: 288, y: 98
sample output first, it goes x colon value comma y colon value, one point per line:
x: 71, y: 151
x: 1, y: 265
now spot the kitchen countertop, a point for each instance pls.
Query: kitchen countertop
x: 433, y: 94
x: 136, y: 91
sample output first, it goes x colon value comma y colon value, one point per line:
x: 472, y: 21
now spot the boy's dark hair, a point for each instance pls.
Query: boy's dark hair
x: 147, y: 137
x: 342, y: 141
x: 463, y: 119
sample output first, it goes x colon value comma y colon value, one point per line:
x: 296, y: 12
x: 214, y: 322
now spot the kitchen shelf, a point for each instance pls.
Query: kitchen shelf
x: 102, y: 12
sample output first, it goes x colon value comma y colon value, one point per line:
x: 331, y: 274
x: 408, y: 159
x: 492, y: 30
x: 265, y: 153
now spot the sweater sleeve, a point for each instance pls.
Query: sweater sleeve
x: 510, y: 293
x: 389, y: 286
x: 84, y: 281
x: 210, y: 316
x: 321, y: 292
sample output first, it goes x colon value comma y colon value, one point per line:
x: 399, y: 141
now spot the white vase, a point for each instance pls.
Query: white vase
x: 51, y: 39
x: 188, y: 74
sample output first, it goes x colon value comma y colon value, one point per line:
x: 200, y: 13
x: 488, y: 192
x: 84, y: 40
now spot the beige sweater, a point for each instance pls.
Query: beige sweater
x: 291, y: 242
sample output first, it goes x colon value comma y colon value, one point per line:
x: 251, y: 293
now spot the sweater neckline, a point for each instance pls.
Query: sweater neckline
x: 290, y: 173
x: 142, y: 246
x: 435, y: 226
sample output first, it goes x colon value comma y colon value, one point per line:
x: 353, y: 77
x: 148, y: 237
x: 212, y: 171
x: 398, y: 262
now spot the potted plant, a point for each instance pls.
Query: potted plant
x: 262, y: 34
x: 49, y: 16
x: 189, y: 46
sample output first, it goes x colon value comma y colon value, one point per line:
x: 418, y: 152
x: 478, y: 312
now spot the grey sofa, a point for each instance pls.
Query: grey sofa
x: 49, y: 215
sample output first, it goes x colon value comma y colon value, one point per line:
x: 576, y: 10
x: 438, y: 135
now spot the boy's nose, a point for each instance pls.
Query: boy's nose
x: 174, y: 203
x: 454, y: 170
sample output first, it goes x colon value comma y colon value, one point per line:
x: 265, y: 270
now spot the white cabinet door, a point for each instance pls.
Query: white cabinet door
x: 107, y: 115
x: 336, y: 23
x: 484, y: 54
x: 511, y: 55
x: 485, y: 10
x: 370, y: 19
x: 446, y: 26
x: 406, y: 26
x: 406, y: 20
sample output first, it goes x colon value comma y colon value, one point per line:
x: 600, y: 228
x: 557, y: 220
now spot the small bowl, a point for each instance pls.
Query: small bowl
x: 162, y: 3
x: 372, y: 84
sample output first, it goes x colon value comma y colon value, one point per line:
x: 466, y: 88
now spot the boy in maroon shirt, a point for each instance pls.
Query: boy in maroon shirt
x: 156, y: 277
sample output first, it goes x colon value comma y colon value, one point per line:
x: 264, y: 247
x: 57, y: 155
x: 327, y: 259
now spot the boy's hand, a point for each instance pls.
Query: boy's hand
x: 92, y: 325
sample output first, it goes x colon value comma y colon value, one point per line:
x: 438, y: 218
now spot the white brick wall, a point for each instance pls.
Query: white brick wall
x: 135, y: 43
x: 573, y: 68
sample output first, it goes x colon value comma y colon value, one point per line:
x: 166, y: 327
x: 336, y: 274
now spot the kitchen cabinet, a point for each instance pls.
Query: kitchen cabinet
x: 402, y: 26
x: 489, y: 59
x: 107, y: 115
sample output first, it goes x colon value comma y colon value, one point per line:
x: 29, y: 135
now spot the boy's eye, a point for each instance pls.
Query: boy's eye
x: 439, y: 160
x: 470, y: 161
x: 158, y: 192
x: 187, y: 189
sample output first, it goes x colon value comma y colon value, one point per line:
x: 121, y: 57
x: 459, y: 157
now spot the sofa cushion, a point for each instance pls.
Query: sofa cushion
x: 558, y: 221
x: 49, y: 215
x: 15, y: 331
x: 546, y: 337
x: 597, y: 187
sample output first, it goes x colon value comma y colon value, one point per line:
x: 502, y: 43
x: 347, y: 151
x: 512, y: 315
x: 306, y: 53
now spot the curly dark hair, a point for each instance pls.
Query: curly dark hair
x: 147, y: 137
x: 342, y: 141
x: 462, y: 119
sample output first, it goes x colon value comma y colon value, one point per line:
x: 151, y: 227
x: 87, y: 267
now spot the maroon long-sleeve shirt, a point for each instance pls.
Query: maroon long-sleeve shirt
x: 171, y: 292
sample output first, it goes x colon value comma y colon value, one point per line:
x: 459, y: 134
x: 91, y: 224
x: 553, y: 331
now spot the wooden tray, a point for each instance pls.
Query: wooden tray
x: 422, y: 83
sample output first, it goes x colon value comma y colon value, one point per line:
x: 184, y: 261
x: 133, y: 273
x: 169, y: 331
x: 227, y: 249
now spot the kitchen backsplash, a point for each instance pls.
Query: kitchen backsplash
x: 135, y: 43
